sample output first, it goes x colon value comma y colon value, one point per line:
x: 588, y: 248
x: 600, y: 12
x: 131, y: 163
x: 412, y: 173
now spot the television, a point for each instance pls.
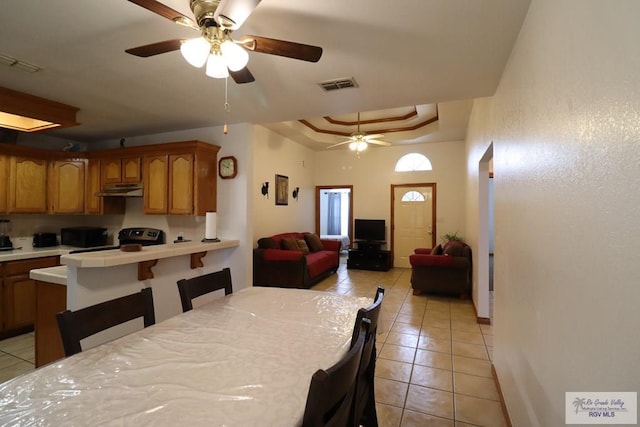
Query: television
x: 369, y: 230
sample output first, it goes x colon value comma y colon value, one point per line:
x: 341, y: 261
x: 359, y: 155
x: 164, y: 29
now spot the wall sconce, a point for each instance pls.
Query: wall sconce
x: 295, y: 193
x: 265, y: 189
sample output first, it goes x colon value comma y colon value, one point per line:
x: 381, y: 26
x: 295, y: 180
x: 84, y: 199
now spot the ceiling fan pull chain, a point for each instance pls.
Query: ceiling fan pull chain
x: 227, y: 107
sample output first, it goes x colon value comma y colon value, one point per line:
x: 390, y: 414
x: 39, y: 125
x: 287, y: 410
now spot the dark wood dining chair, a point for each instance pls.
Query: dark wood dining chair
x: 79, y: 324
x: 197, y: 286
x: 364, y: 409
x: 331, y: 392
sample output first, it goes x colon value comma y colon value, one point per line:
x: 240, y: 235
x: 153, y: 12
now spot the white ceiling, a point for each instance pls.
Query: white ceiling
x: 402, y: 53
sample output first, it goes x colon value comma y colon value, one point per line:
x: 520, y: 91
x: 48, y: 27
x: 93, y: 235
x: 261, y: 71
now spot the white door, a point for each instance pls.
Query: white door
x: 413, y: 222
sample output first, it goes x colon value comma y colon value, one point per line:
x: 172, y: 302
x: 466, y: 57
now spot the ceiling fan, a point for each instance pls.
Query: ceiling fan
x: 216, y: 20
x: 359, y: 141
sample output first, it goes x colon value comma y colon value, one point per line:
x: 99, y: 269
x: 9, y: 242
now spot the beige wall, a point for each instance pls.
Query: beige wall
x: 564, y: 126
x: 274, y: 154
x: 373, y: 173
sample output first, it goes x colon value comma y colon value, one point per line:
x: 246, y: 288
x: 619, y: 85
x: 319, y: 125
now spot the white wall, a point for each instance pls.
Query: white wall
x: 564, y: 125
x: 274, y: 154
x: 373, y: 173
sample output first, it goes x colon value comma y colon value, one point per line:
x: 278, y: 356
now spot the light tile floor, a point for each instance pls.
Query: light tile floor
x: 433, y: 365
x: 434, y: 359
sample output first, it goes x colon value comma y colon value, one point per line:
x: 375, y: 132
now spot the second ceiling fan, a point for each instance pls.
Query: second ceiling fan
x: 358, y: 141
x: 216, y: 20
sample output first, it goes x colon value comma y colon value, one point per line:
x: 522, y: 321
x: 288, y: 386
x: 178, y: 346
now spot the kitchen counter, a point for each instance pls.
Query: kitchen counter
x: 116, y: 257
x: 28, y: 252
x: 57, y: 275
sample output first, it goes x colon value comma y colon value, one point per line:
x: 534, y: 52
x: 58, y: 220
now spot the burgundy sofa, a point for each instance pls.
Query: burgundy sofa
x: 294, y: 260
x: 443, y: 270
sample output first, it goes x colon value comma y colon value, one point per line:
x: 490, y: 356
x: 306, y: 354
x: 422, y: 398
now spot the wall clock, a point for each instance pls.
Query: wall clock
x: 227, y: 167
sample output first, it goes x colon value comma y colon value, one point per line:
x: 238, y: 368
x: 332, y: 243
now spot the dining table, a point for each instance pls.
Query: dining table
x: 245, y: 359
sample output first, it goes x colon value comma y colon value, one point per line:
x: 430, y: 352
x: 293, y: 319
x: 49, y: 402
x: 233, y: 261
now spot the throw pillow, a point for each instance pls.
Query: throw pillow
x: 303, y: 246
x: 314, y: 243
x: 289, y: 244
x: 437, y: 250
x: 267, y: 243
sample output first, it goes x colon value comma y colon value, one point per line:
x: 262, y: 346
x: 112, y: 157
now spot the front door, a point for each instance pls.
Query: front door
x: 413, y: 220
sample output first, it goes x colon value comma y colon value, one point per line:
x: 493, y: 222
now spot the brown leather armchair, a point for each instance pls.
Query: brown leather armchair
x: 449, y: 272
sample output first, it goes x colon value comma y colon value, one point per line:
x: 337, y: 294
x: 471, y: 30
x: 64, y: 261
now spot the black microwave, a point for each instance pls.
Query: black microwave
x: 83, y: 237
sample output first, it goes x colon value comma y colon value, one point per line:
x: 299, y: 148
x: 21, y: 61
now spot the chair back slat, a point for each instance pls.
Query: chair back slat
x: 79, y: 324
x: 331, y: 392
x: 198, y: 286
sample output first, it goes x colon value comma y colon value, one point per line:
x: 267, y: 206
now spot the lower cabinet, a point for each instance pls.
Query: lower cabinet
x: 18, y: 297
x: 51, y: 299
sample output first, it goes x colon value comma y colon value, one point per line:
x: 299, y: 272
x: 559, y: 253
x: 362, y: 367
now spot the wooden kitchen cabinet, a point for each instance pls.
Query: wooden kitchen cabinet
x: 19, y: 294
x: 155, y: 184
x: 51, y: 298
x: 182, y: 180
x: 99, y: 205
x: 27, y: 186
x: 3, y: 183
x: 119, y: 170
x: 66, y: 186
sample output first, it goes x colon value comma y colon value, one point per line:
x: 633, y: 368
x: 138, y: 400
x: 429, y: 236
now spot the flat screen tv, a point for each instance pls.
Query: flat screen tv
x: 370, y: 230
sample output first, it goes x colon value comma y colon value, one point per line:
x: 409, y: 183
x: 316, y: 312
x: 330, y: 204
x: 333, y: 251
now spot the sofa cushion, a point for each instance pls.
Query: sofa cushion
x: 455, y: 250
x: 303, y: 246
x: 321, y: 261
x: 289, y: 244
x: 267, y: 243
x: 314, y: 243
x: 280, y: 255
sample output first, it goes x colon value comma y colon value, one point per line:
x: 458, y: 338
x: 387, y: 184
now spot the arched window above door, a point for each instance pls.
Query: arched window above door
x: 413, y: 196
x: 413, y: 162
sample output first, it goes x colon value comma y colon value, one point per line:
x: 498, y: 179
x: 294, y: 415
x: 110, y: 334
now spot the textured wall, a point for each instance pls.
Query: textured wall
x: 565, y: 124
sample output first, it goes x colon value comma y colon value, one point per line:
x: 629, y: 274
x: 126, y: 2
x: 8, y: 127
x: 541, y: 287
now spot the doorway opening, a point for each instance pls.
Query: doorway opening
x: 413, y: 220
x: 334, y: 213
x: 484, y: 273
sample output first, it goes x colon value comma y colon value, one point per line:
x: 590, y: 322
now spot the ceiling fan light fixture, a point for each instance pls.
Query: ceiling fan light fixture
x: 235, y: 56
x: 217, y: 66
x: 196, y: 51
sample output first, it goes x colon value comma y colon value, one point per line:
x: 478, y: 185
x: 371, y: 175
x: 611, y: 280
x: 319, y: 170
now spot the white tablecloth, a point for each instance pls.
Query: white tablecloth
x: 243, y: 360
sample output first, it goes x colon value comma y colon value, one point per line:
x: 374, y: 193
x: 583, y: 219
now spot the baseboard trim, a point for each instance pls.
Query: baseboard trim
x: 480, y: 320
x: 507, y: 418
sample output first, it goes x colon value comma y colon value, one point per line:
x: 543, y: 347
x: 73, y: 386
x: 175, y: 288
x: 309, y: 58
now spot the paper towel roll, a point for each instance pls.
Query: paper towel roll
x: 210, y: 226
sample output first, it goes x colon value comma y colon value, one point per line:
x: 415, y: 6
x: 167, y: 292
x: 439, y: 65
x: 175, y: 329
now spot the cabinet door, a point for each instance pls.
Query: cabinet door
x: 27, y: 185
x: 131, y: 171
x: 66, y: 186
x: 93, y: 204
x: 3, y: 183
x: 110, y: 171
x: 155, y: 184
x: 181, y: 184
x: 19, y: 300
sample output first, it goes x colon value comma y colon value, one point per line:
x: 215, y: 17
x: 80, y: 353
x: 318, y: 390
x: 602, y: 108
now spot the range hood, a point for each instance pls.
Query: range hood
x: 121, y: 190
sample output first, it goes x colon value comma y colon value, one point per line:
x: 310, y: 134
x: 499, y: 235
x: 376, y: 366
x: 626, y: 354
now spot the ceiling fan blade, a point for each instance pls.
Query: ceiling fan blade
x: 242, y: 76
x: 156, y: 48
x: 339, y: 143
x: 166, y: 12
x: 231, y: 14
x: 284, y: 48
x: 377, y: 135
x: 377, y: 142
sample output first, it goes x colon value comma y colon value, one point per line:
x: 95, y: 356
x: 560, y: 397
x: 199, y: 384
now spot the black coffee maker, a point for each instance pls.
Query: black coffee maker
x: 5, y: 228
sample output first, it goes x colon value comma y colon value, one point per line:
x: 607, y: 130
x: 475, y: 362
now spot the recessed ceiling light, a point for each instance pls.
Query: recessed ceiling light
x: 28, y: 113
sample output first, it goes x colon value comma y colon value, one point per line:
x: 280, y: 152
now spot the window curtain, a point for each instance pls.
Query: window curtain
x: 333, y: 214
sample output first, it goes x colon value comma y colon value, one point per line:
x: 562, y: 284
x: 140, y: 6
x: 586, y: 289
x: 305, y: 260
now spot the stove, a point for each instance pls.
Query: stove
x: 142, y: 235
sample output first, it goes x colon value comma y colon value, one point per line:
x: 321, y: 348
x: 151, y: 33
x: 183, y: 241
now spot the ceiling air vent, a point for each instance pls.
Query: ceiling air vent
x: 336, y: 84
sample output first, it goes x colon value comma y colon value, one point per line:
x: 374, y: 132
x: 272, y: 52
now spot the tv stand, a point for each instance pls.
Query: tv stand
x: 369, y: 256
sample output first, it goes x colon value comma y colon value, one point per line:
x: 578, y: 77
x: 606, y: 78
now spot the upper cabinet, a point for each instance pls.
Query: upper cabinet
x: 27, y: 185
x: 4, y: 175
x: 116, y: 170
x: 180, y: 179
x: 66, y: 186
